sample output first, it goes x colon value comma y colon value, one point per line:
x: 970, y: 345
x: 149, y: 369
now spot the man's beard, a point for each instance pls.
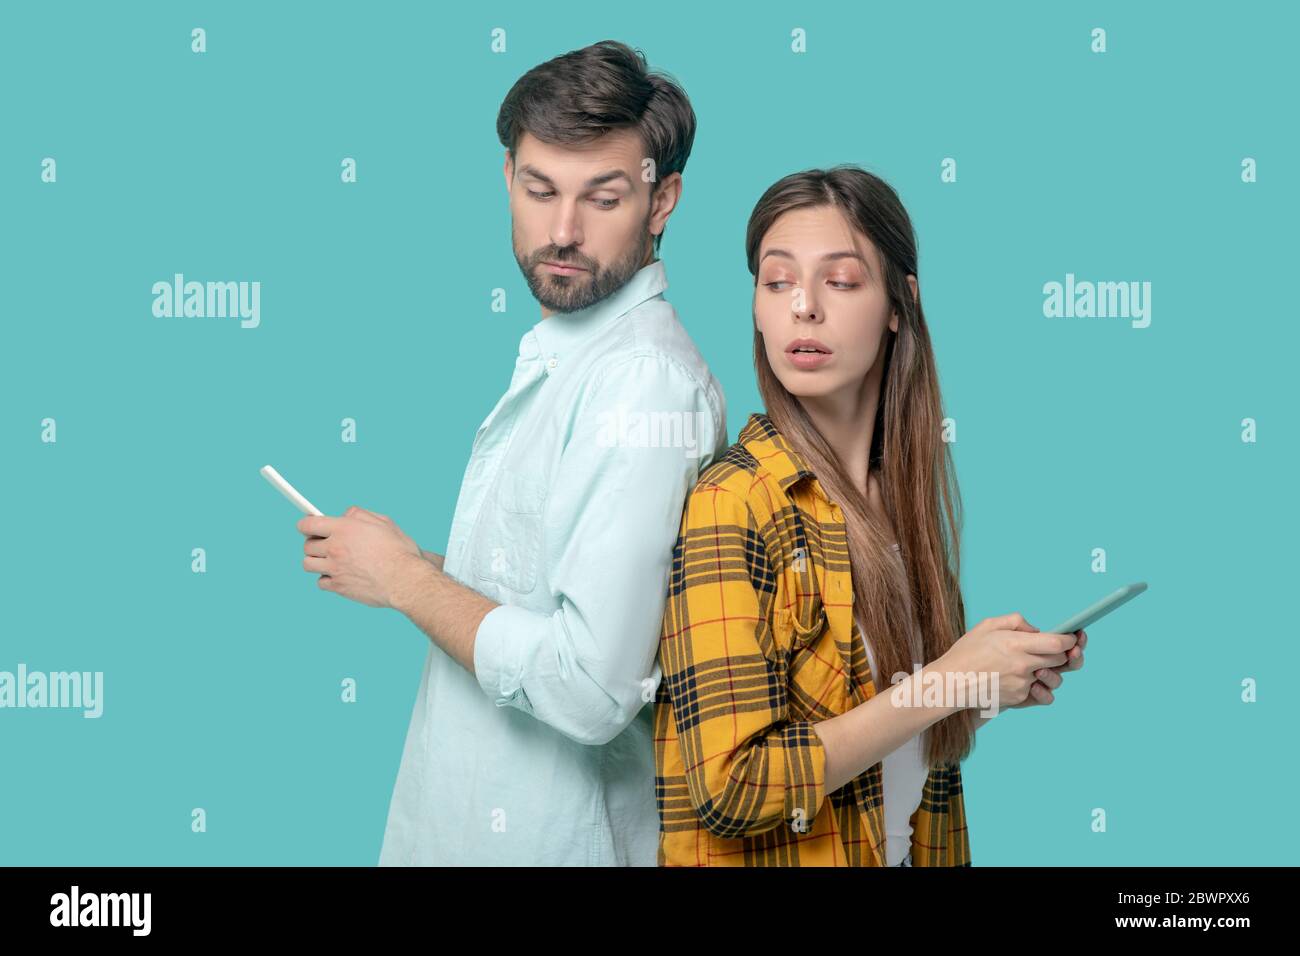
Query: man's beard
x: 582, y: 289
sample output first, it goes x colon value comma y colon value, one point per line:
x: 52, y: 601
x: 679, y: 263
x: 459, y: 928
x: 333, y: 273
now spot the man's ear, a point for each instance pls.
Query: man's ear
x: 664, y: 202
x: 509, y: 170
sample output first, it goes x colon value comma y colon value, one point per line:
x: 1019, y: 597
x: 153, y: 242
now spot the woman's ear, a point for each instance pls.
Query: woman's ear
x: 893, y: 318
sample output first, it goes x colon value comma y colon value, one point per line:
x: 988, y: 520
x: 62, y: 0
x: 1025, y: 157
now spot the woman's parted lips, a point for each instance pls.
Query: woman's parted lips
x: 812, y: 344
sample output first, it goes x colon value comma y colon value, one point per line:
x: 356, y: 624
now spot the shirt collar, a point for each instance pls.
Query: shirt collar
x: 777, y: 455
x: 563, y: 333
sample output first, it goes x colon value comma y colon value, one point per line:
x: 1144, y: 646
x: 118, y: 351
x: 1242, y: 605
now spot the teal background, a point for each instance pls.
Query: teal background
x: 222, y: 689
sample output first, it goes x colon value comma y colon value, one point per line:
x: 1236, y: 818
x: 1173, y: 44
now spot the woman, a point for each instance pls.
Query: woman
x: 818, y: 561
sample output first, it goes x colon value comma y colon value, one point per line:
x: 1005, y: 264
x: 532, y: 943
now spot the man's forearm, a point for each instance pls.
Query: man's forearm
x: 433, y: 558
x: 443, y: 608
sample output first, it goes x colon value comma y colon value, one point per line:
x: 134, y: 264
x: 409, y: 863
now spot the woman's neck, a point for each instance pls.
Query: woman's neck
x: 847, y: 422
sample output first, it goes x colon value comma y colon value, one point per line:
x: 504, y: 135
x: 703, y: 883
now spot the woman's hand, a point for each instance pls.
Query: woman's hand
x: 1018, y: 653
x: 1049, y: 678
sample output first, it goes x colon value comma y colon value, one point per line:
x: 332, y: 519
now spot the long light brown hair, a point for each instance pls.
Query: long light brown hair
x: 916, y: 473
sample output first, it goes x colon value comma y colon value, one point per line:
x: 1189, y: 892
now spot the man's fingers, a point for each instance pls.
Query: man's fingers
x: 315, y: 565
x: 319, y: 525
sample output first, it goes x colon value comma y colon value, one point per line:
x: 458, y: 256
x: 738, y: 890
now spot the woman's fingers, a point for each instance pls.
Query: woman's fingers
x: 1074, y: 656
x: 1076, y: 652
x: 1049, y: 677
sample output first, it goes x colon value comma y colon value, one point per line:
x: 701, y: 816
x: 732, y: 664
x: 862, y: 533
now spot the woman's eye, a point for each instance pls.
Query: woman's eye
x: 775, y: 282
x: 545, y: 195
x: 844, y: 285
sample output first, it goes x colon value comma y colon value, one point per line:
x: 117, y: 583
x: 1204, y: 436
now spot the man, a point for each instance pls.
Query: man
x: 530, y: 740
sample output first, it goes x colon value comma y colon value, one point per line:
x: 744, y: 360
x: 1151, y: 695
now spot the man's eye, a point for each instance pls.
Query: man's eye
x: 545, y: 195
x: 606, y: 203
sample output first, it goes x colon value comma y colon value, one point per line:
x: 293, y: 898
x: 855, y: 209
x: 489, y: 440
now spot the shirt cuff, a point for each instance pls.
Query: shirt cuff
x: 498, y: 663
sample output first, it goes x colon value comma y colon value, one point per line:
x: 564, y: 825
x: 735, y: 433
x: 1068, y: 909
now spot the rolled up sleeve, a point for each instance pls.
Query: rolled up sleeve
x: 612, y: 515
x: 749, y: 767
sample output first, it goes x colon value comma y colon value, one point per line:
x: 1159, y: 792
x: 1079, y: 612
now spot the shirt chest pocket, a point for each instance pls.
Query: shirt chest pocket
x: 799, y: 627
x: 812, y: 661
x: 509, y: 532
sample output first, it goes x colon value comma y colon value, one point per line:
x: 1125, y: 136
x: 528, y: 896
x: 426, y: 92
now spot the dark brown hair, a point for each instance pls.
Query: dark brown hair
x: 917, y: 477
x: 581, y: 95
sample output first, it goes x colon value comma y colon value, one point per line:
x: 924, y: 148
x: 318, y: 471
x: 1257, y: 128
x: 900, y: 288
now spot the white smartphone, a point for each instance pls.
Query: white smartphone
x: 289, y: 491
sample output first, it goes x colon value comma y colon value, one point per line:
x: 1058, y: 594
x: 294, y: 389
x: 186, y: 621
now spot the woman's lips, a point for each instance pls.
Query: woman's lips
x: 807, y: 353
x: 808, y: 360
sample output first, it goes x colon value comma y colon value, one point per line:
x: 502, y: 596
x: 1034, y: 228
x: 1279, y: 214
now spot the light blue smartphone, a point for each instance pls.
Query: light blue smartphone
x: 1099, y: 610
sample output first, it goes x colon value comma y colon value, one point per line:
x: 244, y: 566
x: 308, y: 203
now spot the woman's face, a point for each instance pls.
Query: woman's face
x: 820, y: 304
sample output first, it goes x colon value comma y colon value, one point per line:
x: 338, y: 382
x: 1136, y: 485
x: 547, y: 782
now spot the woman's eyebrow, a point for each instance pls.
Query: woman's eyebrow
x: 845, y: 254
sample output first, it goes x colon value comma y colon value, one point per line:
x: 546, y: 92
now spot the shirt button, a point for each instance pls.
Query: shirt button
x: 552, y: 362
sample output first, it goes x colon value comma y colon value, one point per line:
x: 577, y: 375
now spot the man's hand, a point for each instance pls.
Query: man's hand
x: 361, y: 555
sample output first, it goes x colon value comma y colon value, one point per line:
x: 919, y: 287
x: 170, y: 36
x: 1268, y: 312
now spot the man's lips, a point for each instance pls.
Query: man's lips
x: 559, y: 268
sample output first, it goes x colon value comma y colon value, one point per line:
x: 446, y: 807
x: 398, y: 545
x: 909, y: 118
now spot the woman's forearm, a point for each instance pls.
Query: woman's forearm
x: 868, y: 733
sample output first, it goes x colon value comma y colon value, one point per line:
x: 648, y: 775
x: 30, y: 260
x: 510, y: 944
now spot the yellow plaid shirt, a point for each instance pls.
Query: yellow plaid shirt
x: 759, y: 643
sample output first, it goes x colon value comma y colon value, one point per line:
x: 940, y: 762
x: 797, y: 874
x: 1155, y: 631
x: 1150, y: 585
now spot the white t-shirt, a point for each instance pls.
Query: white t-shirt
x: 903, y: 776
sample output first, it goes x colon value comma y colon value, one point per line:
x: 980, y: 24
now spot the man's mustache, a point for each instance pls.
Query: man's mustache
x: 563, y: 258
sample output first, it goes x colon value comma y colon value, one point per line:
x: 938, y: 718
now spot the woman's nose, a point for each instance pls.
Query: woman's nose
x: 803, y: 306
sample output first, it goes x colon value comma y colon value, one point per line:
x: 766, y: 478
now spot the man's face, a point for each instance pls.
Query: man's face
x: 582, y: 218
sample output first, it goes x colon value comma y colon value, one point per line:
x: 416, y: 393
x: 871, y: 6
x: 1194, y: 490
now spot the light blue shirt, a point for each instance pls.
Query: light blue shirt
x: 567, y: 516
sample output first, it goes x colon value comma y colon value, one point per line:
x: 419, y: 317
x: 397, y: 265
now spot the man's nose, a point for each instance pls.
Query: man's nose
x: 566, y: 227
